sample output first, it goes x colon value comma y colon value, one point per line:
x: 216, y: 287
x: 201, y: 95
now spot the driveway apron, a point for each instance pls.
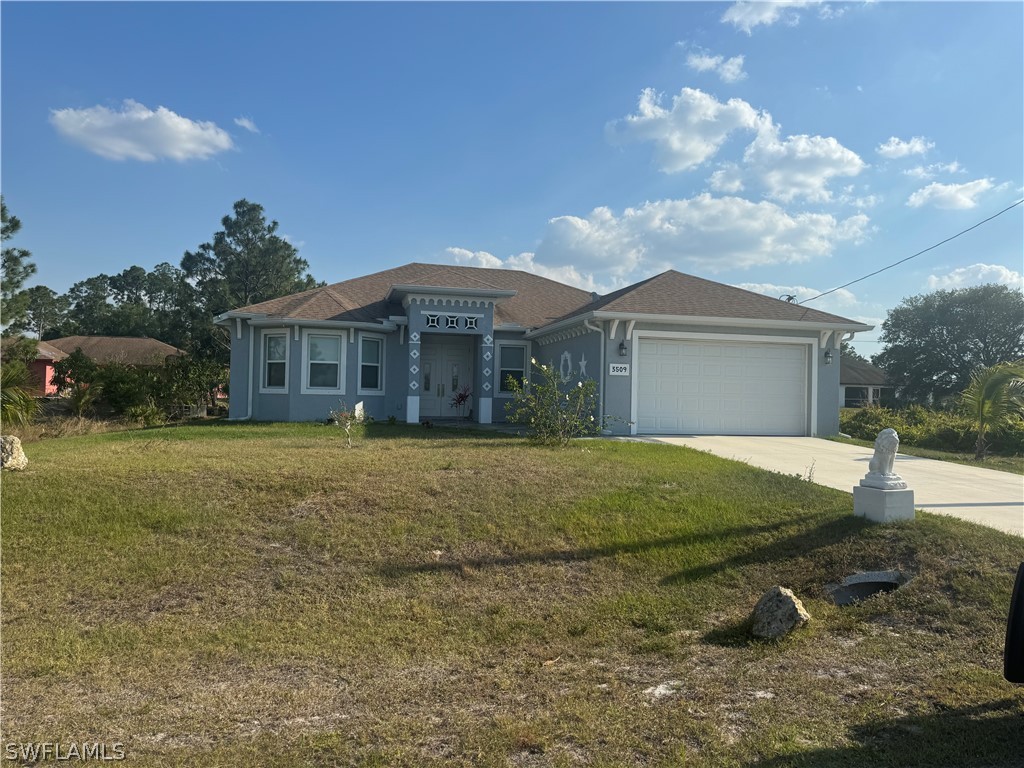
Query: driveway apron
x: 984, y: 496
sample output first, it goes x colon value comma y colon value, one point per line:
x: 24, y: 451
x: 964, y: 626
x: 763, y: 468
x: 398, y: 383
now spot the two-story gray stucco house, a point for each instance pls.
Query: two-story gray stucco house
x: 674, y: 354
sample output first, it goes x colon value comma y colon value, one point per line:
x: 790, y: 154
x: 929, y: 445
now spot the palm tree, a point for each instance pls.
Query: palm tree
x: 17, y: 405
x: 994, y: 396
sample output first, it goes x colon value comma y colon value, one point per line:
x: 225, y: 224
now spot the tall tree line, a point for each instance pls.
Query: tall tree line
x: 246, y: 262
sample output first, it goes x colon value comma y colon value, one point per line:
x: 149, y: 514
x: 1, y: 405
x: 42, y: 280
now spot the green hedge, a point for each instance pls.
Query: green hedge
x: 939, y: 430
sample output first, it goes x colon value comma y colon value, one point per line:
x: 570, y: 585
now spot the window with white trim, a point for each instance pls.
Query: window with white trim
x: 324, y: 363
x: 275, y: 362
x: 371, y: 364
x: 512, y: 362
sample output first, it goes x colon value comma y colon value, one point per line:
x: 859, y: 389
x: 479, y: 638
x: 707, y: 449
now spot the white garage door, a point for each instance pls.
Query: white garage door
x: 721, y: 388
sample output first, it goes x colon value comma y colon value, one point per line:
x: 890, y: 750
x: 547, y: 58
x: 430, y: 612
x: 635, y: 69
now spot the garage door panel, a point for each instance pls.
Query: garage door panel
x: 741, y: 388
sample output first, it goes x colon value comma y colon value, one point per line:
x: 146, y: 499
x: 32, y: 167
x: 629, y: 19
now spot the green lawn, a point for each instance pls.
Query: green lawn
x: 1003, y: 463
x: 236, y: 594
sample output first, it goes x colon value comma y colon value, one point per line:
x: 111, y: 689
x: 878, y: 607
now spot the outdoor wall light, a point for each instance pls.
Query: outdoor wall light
x: 828, y: 357
x: 623, y: 350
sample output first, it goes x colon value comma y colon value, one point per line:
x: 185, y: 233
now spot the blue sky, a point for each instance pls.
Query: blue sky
x: 787, y: 147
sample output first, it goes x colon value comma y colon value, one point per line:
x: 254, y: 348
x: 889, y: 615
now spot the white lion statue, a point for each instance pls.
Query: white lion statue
x: 880, y: 473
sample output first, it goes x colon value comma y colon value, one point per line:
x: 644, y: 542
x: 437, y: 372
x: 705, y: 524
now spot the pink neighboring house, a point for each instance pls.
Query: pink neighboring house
x: 101, y: 349
x: 41, y: 369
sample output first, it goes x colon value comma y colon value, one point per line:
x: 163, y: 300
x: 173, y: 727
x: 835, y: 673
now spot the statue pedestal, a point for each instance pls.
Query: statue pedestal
x: 883, y: 506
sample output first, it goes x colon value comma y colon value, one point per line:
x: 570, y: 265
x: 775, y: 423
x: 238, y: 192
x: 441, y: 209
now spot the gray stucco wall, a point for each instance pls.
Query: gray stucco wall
x: 829, y: 392
x: 294, y: 405
x: 569, y: 355
x: 238, y: 376
x: 499, y: 411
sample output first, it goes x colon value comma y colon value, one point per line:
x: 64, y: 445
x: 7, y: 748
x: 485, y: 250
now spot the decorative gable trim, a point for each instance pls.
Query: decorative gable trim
x: 446, y: 301
x: 563, y: 335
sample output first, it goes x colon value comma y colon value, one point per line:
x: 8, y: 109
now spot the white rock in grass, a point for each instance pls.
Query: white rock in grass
x: 11, y: 454
x: 778, y: 613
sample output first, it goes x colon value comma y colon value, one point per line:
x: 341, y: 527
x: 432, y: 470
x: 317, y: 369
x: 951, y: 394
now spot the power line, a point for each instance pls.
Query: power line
x: 929, y: 248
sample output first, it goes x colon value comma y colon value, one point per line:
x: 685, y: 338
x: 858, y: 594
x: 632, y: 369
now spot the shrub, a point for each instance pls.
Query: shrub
x: 127, y: 386
x: 81, y: 398
x: 76, y: 368
x: 148, y: 414
x: 556, y: 411
x: 461, y: 399
x: 939, y: 430
x: 345, y: 418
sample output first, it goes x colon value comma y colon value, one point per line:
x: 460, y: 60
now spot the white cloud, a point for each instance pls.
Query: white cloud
x: 689, y: 133
x: 800, y: 166
x: 713, y: 233
x: 928, y: 172
x: 729, y: 179
x: 831, y: 11
x: 247, y: 123
x: 697, y: 125
x: 849, y: 197
x: 603, y: 252
x: 525, y: 262
x: 840, y: 298
x: 469, y: 258
x: 976, y: 274
x: 138, y: 133
x: 729, y: 70
x: 896, y: 148
x: 950, y: 196
x: 747, y: 15
x: 292, y: 241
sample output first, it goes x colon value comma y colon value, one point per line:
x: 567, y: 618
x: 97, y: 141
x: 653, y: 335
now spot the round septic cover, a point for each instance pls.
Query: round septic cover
x: 862, y: 585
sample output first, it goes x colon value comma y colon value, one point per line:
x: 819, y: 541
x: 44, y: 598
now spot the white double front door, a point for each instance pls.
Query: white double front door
x: 445, y: 368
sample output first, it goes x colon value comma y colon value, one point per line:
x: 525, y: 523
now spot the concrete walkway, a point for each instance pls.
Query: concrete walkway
x: 985, y: 496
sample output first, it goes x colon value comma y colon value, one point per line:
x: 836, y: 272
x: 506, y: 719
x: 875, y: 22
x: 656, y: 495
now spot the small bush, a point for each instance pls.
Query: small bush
x: 556, y: 411
x: 148, y: 414
x: 346, y: 418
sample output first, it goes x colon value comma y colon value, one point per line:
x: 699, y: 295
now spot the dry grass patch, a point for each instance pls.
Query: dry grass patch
x: 259, y: 595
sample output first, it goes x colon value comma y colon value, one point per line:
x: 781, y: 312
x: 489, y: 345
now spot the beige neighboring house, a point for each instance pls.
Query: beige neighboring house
x: 128, y: 350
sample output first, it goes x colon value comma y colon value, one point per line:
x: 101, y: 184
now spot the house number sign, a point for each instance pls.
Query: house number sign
x: 618, y: 369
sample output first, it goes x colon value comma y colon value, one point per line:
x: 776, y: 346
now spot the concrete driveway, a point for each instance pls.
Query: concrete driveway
x: 985, y: 496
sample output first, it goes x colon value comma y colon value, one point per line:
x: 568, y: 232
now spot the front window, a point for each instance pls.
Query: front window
x: 371, y: 364
x: 324, y: 356
x: 511, y: 363
x: 275, y: 361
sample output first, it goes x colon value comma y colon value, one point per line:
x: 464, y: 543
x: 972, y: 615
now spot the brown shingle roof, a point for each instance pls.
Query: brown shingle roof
x: 857, y: 374
x: 50, y: 352
x: 676, y: 294
x: 117, y: 349
x: 538, y: 300
x: 43, y: 350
